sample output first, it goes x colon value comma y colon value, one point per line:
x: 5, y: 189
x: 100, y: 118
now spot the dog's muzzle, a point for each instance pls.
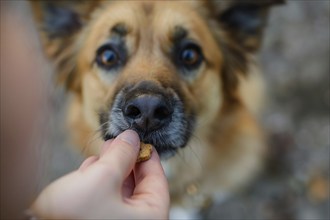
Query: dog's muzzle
x: 157, y: 114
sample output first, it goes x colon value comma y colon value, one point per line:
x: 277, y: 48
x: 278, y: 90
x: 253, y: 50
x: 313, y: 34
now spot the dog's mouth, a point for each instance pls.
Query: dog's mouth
x: 155, y: 113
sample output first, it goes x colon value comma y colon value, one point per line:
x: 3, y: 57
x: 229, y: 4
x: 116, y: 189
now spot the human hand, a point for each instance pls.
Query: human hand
x: 109, y: 186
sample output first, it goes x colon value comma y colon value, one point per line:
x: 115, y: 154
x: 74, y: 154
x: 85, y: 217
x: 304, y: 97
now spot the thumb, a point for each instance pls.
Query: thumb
x: 122, y: 154
x: 151, y: 183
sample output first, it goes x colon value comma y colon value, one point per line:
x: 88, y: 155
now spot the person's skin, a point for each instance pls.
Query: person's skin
x: 110, y: 186
x: 24, y: 110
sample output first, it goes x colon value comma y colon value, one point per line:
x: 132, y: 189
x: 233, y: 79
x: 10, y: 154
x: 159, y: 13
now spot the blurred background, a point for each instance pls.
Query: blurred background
x: 295, y: 61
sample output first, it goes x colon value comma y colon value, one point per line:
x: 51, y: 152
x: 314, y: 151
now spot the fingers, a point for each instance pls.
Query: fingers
x: 128, y: 186
x: 151, y: 183
x: 88, y: 162
x: 105, y: 147
x: 121, y: 154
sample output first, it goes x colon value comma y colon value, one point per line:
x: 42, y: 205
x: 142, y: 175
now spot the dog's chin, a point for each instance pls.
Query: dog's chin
x: 164, y: 150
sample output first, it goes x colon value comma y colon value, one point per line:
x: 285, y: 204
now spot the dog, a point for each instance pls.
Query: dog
x: 182, y: 74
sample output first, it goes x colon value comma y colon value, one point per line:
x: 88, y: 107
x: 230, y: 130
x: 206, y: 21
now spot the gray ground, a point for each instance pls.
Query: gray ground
x: 295, y: 59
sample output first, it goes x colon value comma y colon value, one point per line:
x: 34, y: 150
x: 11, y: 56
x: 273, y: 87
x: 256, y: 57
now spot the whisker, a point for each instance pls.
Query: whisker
x: 99, y: 129
x: 94, y: 136
x: 184, y: 154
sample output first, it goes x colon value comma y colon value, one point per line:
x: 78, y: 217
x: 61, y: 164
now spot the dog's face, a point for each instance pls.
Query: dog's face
x: 159, y: 68
x: 155, y: 67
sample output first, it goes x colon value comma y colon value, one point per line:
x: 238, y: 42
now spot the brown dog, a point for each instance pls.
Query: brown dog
x: 180, y: 73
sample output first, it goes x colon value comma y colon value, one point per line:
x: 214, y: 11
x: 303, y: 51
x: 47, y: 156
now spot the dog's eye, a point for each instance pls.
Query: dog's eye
x: 107, y: 57
x: 191, y: 56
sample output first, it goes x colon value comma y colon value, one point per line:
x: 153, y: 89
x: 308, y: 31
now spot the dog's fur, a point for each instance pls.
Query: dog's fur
x: 211, y: 140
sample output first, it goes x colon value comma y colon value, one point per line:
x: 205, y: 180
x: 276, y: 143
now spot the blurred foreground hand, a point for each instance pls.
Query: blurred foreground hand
x: 109, y: 186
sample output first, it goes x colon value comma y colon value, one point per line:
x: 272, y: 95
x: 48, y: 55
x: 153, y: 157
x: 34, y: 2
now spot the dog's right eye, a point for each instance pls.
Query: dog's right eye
x: 107, y: 57
x: 188, y: 56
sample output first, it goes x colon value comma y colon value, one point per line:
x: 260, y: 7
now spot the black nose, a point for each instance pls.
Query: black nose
x: 147, y: 112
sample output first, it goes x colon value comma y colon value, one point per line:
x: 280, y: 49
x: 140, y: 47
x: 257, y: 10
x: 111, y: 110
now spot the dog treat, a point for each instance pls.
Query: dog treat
x: 145, y: 152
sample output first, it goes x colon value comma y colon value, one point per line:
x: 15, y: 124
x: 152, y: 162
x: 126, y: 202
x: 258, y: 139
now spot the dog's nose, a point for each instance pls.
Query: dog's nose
x: 147, y: 112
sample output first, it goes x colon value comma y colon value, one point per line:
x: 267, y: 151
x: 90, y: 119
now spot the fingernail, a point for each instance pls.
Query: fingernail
x: 130, y: 137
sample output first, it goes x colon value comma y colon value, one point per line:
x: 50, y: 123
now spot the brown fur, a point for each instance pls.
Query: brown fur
x: 227, y: 148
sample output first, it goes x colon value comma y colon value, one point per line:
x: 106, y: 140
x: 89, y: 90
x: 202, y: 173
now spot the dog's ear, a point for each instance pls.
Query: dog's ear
x: 244, y: 20
x: 59, y: 23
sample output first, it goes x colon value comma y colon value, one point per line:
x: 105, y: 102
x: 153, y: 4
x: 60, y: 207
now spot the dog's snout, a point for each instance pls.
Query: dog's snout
x: 147, y: 112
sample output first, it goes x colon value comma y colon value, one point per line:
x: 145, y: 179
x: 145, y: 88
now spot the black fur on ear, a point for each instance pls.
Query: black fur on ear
x: 244, y: 20
x: 59, y: 24
x: 59, y: 21
x: 61, y: 18
x: 242, y: 23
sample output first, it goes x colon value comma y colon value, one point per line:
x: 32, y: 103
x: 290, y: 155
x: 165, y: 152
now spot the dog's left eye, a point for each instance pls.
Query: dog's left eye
x: 107, y: 57
x: 190, y: 56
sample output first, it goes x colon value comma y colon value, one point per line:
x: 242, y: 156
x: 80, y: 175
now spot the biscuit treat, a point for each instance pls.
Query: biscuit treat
x: 145, y: 152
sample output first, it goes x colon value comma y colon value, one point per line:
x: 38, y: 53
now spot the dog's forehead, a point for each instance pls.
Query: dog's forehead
x: 149, y: 29
x: 159, y: 18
